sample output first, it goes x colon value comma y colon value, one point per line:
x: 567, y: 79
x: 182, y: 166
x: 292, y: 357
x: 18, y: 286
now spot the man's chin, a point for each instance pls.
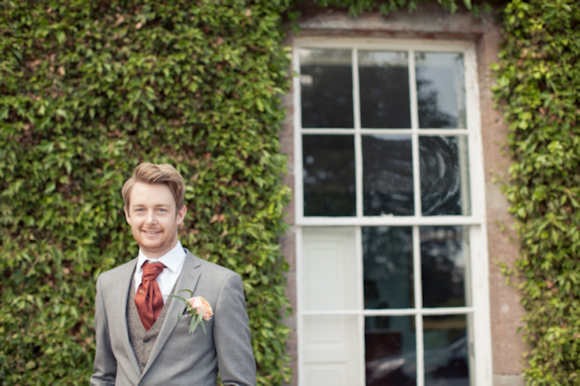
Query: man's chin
x: 152, y: 247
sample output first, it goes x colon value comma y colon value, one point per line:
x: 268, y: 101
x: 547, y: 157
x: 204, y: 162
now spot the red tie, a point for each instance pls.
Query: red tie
x: 148, y: 298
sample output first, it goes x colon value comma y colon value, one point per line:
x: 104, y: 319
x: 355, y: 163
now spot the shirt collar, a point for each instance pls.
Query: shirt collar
x: 171, y: 259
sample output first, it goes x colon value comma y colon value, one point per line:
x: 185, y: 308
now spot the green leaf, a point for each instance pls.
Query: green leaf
x: 193, y: 325
x: 178, y: 297
x: 190, y: 292
x: 50, y: 187
x: 60, y: 37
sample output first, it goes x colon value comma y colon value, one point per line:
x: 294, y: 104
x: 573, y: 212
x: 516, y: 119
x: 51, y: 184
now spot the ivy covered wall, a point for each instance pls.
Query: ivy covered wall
x: 538, y: 83
x: 88, y: 89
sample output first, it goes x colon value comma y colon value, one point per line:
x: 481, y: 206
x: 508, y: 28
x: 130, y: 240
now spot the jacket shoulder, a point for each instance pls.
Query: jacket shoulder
x: 119, y: 271
x: 213, y: 269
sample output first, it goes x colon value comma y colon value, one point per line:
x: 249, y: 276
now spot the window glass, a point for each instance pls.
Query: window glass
x: 387, y: 175
x: 326, y: 88
x: 440, y: 89
x: 444, y: 170
x: 390, y: 351
x: 446, y: 350
x: 328, y: 172
x: 384, y: 89
x: 388, y: 267
x: 443, y: 265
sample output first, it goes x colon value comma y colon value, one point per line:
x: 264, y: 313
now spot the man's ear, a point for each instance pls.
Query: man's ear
x: 181, y: 214
x: 127, y: 217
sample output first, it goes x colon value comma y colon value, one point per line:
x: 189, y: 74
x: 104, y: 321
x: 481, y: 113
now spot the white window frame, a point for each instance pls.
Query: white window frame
x: 479, y: 311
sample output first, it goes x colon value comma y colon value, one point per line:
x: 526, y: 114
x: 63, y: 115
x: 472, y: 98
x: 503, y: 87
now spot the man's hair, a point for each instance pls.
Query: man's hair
x: 164, y: 174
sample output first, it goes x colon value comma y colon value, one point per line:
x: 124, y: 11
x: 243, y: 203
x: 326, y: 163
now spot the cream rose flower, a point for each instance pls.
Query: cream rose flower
x: 198, y: 308
x: 201, y: 306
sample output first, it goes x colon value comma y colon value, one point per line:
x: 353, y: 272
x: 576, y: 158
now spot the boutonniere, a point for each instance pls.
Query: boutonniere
x: 199, y: 309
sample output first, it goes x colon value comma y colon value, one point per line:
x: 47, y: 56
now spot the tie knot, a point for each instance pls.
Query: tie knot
x: 152, y: 270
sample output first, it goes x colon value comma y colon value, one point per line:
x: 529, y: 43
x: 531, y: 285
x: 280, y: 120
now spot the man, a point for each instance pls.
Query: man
x: 140, y: 340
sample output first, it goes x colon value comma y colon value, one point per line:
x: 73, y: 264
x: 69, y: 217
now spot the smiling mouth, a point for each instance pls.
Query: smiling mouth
x: 151, y: 232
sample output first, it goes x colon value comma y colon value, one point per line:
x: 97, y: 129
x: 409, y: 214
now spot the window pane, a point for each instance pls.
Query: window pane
x: 444, y: 169
x: 387, y: 175
x: 440, y: 89
x: 388, y: 267
x: 446, y: 350
x: 330, y: 351
x: 329, y: 269
x: 384, y: 89
x: 328, y: 172
x: 390, y: 351
x: 326, y: 88
x: 444, y: 252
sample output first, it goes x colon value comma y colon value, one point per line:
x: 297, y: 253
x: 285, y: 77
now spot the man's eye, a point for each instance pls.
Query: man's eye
x: 162, y: 210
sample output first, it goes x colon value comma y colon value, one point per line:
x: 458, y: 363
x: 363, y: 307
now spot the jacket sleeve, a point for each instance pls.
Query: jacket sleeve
x: 105, y: 366
x: 232, y: 336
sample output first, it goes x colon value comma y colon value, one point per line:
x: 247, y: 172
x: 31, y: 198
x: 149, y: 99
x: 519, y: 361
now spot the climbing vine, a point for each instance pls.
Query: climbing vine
x: 88, y: 89
x: 538, y: 81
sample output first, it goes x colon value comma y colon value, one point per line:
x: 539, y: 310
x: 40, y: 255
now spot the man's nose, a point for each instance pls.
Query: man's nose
x: 150, y: 216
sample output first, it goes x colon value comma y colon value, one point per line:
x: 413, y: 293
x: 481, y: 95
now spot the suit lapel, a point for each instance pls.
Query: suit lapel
x: 190, y: 273
x: 121, y: 309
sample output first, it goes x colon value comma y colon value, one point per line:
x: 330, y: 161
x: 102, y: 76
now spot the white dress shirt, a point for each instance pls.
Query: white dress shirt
x: 173, y: 261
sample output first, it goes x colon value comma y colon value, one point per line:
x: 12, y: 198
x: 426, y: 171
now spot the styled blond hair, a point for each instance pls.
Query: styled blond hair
x: 164, y: 174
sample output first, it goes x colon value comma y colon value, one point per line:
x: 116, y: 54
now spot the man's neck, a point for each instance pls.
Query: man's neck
x: 157, y: 255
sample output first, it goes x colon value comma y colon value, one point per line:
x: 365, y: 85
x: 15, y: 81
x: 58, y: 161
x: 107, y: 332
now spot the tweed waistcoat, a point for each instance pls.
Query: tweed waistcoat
x: 141, y: 340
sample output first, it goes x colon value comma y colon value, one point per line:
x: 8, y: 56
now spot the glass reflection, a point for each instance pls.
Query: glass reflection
x: 444, y: 252
x: 390, y: 351
x: 387, y: 175
x: 326, y: 88
x: 444, y: 170
x: 388, y: 267
x: 440, y: 89
x: 384, y: 89
x: 446, y: 350
x: 328, y: 175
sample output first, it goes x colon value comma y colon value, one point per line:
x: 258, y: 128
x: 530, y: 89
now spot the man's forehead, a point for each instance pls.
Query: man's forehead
x: 151, y: 195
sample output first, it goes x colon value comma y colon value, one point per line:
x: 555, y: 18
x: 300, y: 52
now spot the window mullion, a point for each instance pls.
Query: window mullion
x: 393, y: 312
x: 473, y: 124
x: 416, y: 232
x: 357, y: 138
x: 360, y: 317
x: 390, y: 221
x: 299, y: 296
x: 417, y: 286
x: 413, y: 92
x: 298, y: 180
x: 415, y: 135
x: 359, y: 212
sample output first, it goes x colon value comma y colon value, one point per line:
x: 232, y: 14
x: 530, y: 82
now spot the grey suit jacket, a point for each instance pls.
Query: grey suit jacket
x: 177, y: 357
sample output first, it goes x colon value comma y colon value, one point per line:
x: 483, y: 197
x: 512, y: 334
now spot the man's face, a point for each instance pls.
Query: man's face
x: 153, y: 218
